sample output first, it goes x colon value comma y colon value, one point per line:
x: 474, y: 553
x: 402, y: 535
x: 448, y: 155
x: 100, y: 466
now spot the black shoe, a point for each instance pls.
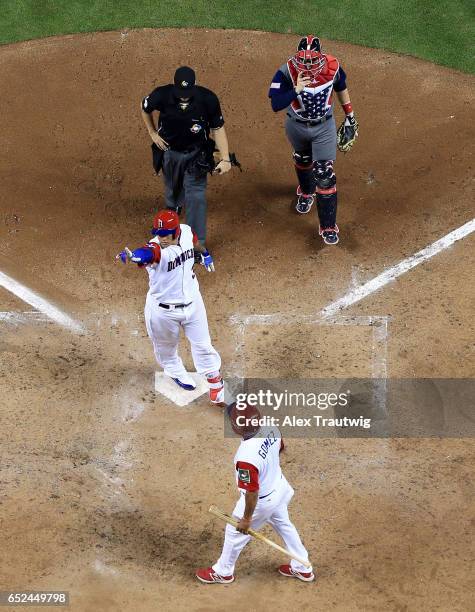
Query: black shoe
x: 304, y: 202
x: 329, y: 234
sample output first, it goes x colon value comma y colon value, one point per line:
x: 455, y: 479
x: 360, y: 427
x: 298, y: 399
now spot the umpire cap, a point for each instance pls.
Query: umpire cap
x: 184, y: 80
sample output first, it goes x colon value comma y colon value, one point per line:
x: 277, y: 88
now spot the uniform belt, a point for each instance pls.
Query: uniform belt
x: 173, y: 306
x: 311, y: 122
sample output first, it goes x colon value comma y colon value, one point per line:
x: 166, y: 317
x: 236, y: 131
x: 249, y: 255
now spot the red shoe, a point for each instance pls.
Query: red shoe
x: 209, y: 576
x: 286, y: 570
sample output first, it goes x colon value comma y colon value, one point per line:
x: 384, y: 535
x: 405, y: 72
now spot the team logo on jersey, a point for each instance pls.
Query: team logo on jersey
x: 195, y: 128
x: 244, y: 475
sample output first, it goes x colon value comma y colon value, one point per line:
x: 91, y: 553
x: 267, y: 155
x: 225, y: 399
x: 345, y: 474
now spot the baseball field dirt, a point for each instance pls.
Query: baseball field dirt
x: 105, y: 486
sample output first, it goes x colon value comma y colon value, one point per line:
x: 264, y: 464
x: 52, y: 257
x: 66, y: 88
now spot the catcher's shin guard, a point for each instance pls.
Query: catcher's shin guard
x: 306, y: 179
x: 326, y: 207
x: 326, y: 193
x: 304, y: 170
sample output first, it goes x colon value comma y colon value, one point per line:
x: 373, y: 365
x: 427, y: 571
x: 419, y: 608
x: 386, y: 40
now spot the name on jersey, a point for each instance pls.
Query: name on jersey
x: 180, y: 260
x: 266, y: 445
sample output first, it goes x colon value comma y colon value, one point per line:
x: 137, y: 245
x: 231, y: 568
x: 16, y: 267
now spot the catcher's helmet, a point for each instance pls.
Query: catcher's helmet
x: 166, y: 222
x: 309, y: 57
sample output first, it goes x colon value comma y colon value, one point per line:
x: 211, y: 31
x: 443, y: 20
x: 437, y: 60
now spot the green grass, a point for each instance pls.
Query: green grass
x: 441, y: 31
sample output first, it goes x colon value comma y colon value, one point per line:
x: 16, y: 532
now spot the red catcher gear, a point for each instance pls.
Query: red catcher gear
x: 166, y: 222
x: 309, y: 57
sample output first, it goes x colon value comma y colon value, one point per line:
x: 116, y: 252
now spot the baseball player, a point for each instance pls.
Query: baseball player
x: 265, y: 495
x: 188, y: 116
x: 174, y: 301
x: 304, y: 86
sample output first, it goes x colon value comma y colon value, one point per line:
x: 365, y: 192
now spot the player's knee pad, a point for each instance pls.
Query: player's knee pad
x: 303, y: 159
x: 325, y: 177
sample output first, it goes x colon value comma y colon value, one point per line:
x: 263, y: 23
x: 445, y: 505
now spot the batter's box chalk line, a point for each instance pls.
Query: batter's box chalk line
x: 379, y: 341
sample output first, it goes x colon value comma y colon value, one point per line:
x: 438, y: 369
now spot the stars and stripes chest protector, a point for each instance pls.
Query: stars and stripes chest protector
x: 315, y: 101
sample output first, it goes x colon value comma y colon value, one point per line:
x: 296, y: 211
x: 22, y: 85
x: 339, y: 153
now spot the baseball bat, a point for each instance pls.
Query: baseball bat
x: 258, y: 536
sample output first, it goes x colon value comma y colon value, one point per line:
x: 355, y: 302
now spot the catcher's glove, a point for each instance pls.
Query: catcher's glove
x: 347, y: 133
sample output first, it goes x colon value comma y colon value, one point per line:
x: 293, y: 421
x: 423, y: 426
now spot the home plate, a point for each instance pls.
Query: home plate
x: 167, y: 387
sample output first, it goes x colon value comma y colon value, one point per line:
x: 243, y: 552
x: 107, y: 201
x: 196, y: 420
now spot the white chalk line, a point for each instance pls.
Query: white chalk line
x: 361, y: 292
x: 29, y: 316
x: 278, y: 318
x: 380, y: 362
x: 38, y: 302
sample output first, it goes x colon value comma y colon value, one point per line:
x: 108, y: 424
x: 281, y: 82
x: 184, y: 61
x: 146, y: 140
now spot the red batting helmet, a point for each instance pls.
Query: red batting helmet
x: 166, y: 222
x: 309, y: 57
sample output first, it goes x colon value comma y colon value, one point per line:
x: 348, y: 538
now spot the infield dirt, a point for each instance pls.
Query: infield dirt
x: 105, y: 486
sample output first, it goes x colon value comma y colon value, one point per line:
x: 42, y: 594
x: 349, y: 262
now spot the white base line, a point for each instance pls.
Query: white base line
x: 29, y: 316
x: 355, y: 295
x: 35, y: 300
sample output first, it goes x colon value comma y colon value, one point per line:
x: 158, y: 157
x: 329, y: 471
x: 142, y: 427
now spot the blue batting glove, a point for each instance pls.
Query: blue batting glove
x: 207, y: 261
x: 142, y: 256
x: 139, y: 256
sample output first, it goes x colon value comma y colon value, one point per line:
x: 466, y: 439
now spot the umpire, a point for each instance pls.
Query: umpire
x: 189, y: 126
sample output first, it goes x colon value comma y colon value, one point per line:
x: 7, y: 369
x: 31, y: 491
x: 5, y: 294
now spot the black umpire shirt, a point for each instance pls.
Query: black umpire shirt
x: 184, y: 129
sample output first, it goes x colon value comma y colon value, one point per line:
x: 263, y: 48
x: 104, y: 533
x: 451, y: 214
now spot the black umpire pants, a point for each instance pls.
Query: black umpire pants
x: 185, y: 187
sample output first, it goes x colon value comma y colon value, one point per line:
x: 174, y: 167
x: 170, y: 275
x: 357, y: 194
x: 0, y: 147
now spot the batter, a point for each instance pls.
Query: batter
x: 174, y: 301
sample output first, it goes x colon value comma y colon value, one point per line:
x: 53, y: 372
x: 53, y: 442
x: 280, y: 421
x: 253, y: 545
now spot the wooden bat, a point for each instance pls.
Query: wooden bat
x: 259, y: 536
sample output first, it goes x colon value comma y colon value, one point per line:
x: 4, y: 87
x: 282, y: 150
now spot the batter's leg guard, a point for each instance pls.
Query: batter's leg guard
x: 326, y: 201
x: 216, y: 388
x: 306, y: 177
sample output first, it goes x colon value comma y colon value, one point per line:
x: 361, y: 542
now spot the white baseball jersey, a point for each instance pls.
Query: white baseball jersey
x: 257, y: 462
x: 171, y: 279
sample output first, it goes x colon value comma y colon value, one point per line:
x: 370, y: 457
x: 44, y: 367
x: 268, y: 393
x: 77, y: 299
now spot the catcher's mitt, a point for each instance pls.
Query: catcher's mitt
x: 347, y: 133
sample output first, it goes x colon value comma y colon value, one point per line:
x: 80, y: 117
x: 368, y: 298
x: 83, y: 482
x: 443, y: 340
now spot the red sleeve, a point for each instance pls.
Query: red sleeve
x: 195, y: 237
x: 248, y: 476
x: 156, y: 251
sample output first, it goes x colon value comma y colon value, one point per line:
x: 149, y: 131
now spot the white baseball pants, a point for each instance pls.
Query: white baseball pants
x: 273, y: 510
x: 163, y: 328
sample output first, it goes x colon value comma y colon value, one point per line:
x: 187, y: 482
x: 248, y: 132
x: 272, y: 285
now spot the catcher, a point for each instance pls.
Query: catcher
x: 304, y: 86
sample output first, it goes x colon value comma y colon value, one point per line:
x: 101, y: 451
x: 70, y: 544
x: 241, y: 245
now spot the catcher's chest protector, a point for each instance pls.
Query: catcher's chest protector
x: 315, y: 100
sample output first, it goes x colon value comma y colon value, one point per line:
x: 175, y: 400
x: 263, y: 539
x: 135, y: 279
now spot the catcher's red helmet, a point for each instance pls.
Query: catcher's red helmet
x: 309, y: 57
x: 166, y: 222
